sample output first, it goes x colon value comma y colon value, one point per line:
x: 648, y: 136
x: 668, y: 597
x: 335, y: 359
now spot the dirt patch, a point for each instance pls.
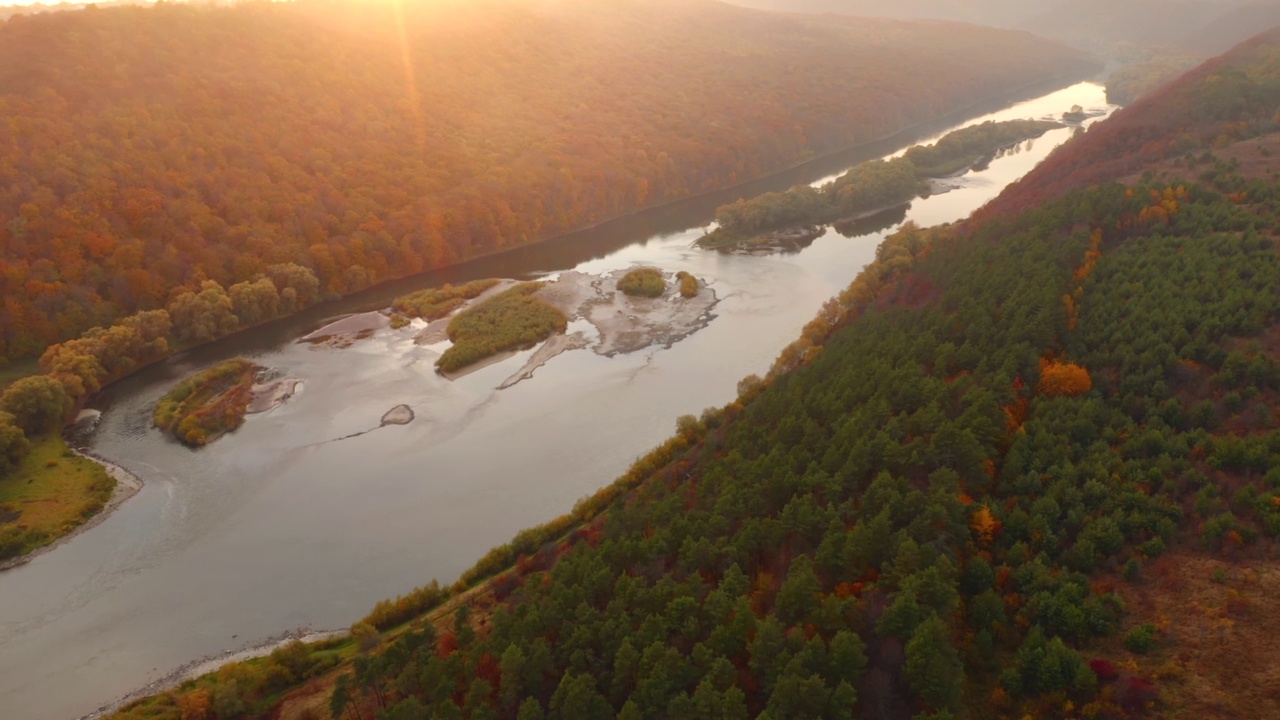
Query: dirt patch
x: 1218, y: 620
x: 345, y: 332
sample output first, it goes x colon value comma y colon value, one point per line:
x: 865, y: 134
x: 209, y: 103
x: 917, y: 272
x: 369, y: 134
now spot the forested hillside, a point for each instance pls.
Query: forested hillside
x: 148, y: 152
x: 1022, y: 467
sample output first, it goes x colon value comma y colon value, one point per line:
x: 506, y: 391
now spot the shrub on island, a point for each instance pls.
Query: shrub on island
x: 643, y: 282
x: 688, y: 285
x: 203, y: 407
x: 511, y: 320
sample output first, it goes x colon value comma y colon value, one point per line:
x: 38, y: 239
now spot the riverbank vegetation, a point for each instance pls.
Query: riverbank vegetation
x: 871, y: 186
x: 435, y: 303
x: 643, y: 282
x: 48, y: 493
x: 942, y: 502
x: 291, y: 169
x: 511, y: 320
x: 207, y: 405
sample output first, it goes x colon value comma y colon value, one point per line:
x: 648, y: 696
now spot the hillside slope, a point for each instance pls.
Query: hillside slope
x: 1024, y: 467
x: 1225, y: 100
x: 149, y: 150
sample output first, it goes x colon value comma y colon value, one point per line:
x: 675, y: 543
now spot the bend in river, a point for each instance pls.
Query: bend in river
x: 274, y: 528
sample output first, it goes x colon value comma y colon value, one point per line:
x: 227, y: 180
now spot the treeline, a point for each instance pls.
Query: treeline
x: 959, y: 149
x: 870, y: 186
x: 148, y: 150
x: 74, y: 370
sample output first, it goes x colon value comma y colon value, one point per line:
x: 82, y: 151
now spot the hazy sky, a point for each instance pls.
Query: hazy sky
x: 51, y: 2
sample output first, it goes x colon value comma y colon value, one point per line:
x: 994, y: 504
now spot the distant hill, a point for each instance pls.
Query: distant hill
x: 1098, y: 23
x: 1230, y: 28
x: 1205, y: 27
x: 148, y: 150
x: 1228, y: 98
x: 998, y: 13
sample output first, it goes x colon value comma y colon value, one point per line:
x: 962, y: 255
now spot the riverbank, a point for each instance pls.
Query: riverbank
x: 204, y: 666
x: 125, y: 485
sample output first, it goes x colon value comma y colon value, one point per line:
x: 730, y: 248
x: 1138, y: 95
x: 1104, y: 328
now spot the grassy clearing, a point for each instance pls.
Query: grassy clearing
x: 201, y: 408
x: 511, y: 320
x: 52, y: 493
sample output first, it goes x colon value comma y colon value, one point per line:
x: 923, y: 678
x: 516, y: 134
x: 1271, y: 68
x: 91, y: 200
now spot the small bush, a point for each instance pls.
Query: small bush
x: 688, y: 285
x: 643, y: 282
x: 366, y: 636
x: 1141, y: 639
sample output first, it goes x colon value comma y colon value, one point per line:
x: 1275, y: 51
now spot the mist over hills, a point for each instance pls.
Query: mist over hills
x: 1203, y: 26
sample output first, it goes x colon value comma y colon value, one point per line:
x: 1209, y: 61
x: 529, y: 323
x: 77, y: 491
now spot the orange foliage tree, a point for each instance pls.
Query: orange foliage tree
x: 1061, y: 379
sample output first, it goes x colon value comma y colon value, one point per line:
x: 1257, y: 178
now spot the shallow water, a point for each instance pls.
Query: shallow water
x: 278, y: 526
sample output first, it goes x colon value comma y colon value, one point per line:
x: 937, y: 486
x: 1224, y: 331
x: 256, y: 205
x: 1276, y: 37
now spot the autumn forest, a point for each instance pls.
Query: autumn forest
x: 1024, y: 464
x: 151, y: 152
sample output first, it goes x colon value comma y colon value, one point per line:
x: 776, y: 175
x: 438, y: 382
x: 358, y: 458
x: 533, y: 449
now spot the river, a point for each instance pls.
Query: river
x: 277, y: 526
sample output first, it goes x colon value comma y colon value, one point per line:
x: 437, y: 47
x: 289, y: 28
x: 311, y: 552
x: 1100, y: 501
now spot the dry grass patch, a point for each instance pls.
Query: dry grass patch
x: 1218, y: 620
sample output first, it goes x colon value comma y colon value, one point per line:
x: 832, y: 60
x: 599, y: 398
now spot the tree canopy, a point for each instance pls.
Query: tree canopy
x: 150, y: 151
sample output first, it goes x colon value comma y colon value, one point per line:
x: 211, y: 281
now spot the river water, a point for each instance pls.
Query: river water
x: 278, y: 526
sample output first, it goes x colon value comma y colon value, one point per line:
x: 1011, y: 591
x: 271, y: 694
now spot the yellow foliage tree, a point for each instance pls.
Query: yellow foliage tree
x: 194, y: 705
x: 984, y: 525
